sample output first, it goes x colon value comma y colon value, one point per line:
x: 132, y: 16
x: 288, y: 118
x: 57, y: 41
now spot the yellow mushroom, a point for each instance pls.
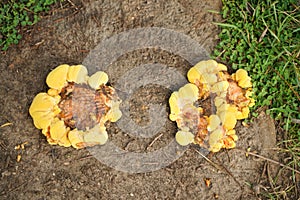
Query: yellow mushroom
x: 243, y: 114
x: 76, y: 138
x: 252, y: 102
x: 77, y: 74
x: 209, y: 79
x: 213, y: 122
x: 79, y: 121
x: 43, y: 109
x: 231, y: 96
x: 57, y: 78
x: 208, y: 66
x: 42, y: 120
x: 221, y: 67
x: 188, y: 94
x: 59, y: 132
x: 174, y: 107
x: 114, y: 114
x: 229, y: 141
x: 193, y: 75
x: 241, y: 76
x: 42, y: 102
x: 228, y: 116
x: 98, y: 79
x: 95, y: 136
x: 53, y: 92
x: 219, y: 101
x: 184, y: 138
x: 220, y: 87
x: 216, y: 140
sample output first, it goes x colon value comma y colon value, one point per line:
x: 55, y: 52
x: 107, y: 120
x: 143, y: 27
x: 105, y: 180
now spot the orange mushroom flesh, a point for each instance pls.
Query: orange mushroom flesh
x: 231, y: 97
x: 76, y: 107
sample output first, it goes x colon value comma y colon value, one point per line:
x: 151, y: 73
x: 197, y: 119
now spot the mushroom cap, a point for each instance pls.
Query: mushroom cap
x: 96, y: 135
x: 243, y: 114
x: 219, y: 101
x: 209, y: 78
x: 207, y: 66
x: 57, y: 78
x: 76, y: 138
x: 193, y: 75
x: 174, y: 107
x: 184, y: 138
x: 77, y: 74
x: 220, y: 87
x: 42, y: 120
x: 97, y: 79
x: 229, y: 141
x: 188, y: 94
x: 53, y: 92
x: 58, y: 132
x: 221, y: 67
x: 81, y: 139
x: 241, y: 76
x: 227, y: 114
x: 43, y: 102
x: 43, y: 109
x: 215, y: 140
x: 213, y: 122
x: 205, y: 71
x: 114, y: 114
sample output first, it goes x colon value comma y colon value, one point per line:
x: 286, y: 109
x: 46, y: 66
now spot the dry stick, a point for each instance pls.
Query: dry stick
x: 270, y: 160
x: 221, y: 168
x: 73, y: 4
x: 210, y: 162
x: 154, y: 140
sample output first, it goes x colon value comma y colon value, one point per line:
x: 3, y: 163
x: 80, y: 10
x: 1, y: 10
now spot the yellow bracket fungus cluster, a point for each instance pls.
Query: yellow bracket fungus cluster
x: 211, y: 125
x: 76, y: 107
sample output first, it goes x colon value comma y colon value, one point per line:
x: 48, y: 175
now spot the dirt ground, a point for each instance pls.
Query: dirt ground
x: 67, y: 35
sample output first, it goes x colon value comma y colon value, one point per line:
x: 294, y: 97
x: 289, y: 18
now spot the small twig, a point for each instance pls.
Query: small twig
x: 154, y: 140
x: 86, y: 157
x: 210, y: 162
x: 263, y: 34
x: 270, y: 160
x: 6, y: 124
x: 76, y: 8
x: 28, y: 10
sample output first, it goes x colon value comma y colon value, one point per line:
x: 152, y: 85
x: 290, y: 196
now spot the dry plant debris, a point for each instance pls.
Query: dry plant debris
x: 211, y: 125
x: 76, y: 107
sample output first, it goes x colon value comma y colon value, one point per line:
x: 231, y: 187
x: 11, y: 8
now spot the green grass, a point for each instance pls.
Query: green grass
x: 17, y: 13
x: 263, y: 37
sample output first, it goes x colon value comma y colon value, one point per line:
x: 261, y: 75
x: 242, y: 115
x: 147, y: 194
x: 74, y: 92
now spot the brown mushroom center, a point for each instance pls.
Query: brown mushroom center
x: 82, y: 107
